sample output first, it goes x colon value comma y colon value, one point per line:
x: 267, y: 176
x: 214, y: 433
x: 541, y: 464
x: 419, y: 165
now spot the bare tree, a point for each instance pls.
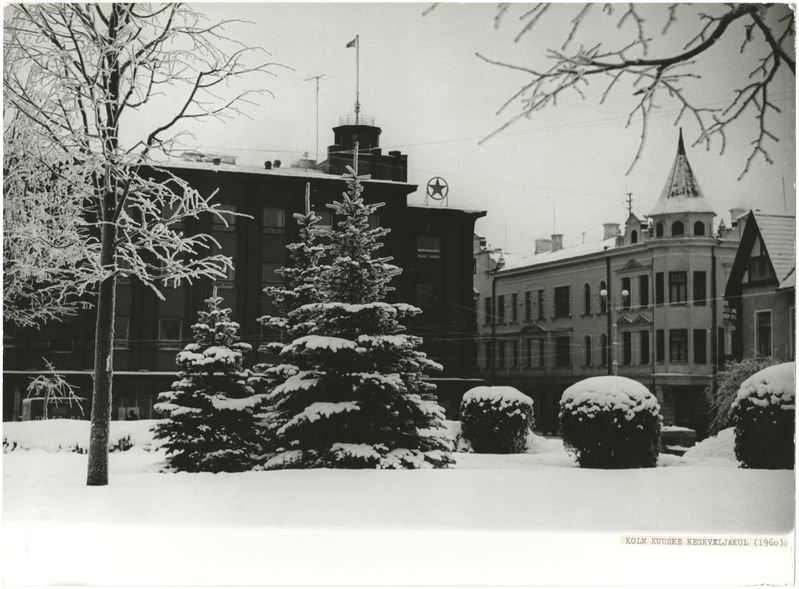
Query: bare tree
x: 765, y: 31
x: 74, y: 74
x: 53, y: 389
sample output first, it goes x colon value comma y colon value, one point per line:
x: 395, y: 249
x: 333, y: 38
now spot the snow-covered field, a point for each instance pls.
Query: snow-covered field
x: 529, y: 511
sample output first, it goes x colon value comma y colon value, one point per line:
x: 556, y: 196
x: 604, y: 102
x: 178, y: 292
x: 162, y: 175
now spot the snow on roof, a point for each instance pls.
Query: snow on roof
x: 448, y: 208
x: 779, y: 235
x: 513, y: 261
x: 682, y: 193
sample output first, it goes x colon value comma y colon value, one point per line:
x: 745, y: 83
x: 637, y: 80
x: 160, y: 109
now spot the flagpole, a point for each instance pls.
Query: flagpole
x: 357, y: 77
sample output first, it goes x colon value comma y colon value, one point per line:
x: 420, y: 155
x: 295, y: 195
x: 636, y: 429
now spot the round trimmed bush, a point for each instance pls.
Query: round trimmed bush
x: 764, y: 412
x: 611, y: 422
x: 496, y: 420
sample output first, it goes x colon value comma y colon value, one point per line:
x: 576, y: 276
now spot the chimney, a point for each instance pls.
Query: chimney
x: 611, y: 230
x: 557, y: 242
x: 217, y: 160
x: 276, y: 164
x: 267, y: 165
x: 543, y: 245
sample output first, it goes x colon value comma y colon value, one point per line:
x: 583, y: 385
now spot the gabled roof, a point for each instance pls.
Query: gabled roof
x: 779, y: 236
x: 682, y: 193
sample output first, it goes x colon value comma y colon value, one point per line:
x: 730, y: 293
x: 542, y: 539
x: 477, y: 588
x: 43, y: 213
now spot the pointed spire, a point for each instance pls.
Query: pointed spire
x: 682, y: 193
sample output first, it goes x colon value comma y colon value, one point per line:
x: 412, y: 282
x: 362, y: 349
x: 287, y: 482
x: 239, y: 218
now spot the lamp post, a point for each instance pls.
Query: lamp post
x: 615, y: 335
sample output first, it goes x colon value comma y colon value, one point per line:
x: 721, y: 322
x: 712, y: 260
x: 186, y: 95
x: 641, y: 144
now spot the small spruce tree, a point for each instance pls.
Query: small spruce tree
x: 358, y: 398
x: 210, y: 409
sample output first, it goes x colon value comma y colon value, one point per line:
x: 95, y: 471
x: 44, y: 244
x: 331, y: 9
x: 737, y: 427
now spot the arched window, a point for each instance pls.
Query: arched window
x: 659, y: 230
x: 602, y: 300
x: 634, y: 236
x: 677, y: 228
x: 587, y: 299
x: 587, y: 350
x: 603, y: 349
x: 699, y: 228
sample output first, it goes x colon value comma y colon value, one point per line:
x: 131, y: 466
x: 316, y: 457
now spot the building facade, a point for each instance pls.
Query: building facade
x: 645, y: 301
x: 432, y: 245
x: 761, y: 292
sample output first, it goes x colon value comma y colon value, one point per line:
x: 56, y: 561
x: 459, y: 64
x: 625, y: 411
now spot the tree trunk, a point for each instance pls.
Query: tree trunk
x: 103, y: 367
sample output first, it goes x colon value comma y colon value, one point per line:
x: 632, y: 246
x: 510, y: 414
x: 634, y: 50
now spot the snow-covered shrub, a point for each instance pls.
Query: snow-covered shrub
x: 611, y: 422
x: 210, y: 409
x: 764, y: 412
x: 496, y: 420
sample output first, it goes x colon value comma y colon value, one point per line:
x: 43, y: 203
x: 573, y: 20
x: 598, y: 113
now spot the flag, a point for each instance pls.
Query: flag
x: 353, y: 43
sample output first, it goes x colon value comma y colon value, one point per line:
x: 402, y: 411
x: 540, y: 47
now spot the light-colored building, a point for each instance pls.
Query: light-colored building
x: 551, y: 326
x: 761, y: 291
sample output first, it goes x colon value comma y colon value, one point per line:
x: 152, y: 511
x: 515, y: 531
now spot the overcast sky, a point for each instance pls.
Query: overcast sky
x: 562, y: 170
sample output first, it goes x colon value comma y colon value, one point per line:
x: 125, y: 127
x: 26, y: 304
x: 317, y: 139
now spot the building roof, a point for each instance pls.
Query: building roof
x: 448, y: 208
x: 682, y: 193
x: 514, y: 261
x: 779, y: 235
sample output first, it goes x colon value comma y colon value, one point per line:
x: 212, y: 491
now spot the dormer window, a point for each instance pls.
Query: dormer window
x: 659, y: 230
x: 633, y: 236
x: 699, y: 228
x: 677, y: 228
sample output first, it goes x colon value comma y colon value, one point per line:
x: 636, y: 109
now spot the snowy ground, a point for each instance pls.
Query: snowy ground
x: 530, y: 511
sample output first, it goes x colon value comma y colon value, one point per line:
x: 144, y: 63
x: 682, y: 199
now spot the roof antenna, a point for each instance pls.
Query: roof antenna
x: 317, y: 78
x: 629, y: 204
x: 784, y: 197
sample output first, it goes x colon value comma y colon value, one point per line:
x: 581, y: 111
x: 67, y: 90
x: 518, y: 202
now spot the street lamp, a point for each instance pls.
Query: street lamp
x: 613, y: 312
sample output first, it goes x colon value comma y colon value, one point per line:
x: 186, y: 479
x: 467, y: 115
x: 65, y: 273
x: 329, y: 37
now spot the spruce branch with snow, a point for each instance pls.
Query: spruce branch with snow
x: 210, y: 425
x: 85, y: 86
x: 358, y: 398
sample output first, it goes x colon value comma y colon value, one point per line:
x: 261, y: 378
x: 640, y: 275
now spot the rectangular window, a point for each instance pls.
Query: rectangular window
x: 489, y: 354
x: 540, y: 305
x: 9, y: 335
x: 562, y: 301
x: 528, y: 306
x: 660, y: 346
x: 700, y: 289
x: 428, y: 247
x: 563, y: 351
x: 274, y: 218
x: 659, y: 290
x: 678, y: 346
x: 625, y: 285
x: 643, y: 290
x: 678, y: 287
x: 62, y: 335
x: 643, y: 342
x: 501, y: 309
x: 528, y: 353
x: 700, y: 346
x: 627, y: 348
x: 501, y: 354
x: 793, y: 331
x: 514, y: 302
x: 535, y: 353
x: 487, y: 310
x: 326, y: 219
x: 170, y: 333
x: 541, y: 359
x: 121, y: 329
x: 763, y: 333
x: 269, y: 273
x: 514, y: 347
x: 225, y: 222
x: 721, y: 347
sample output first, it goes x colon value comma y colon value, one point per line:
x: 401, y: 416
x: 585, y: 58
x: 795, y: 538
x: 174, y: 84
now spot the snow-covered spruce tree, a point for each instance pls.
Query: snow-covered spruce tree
x: 211, y: 423
x: 359, y: 398
x: 300, y: 288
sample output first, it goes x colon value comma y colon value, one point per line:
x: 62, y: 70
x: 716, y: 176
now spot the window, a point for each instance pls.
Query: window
x: 603, y: 350
x: 501, y: 354
x: 793, y: 332
x: 428, y: 247
x: 700, y: 289
x: 170, y: 333
x: 763, y: 333
x: 528, y: 306
x: 541, y: 305
x: 428, y: 294
x: 721, y: 346
x: 562, y: 301
x: 678, y: 287
x: 514, y: 306
x: 514, y: 346
x: 659, y: 230
x: 534, y: 350
x: 273, y: 253
x: 326, y: 221
x: 225, y: 222
x: 603, y: 303
x: 678, y: 346
x: 487, y: 310
x: 374, y: 221
x: 274, y: 219
x: 489, y: 354
x: 643, y: 290
x: 269, y: 273
x: 660, y: 346
x: 759, y: 265
x: 587, y: 350
x: 587, y: 299
x: 563, y: 351
x: 627, y: 348
x: 121, y: 329
x: 643, y: 343
x: 699, y: 228
x: 677, y: 228
x: 9, y: 334
x: 501, y: 309
x: 659, y: 288
x: 634, y: 236
x: 700, y: 346
x: 625, y: 285
x: 62, y: 335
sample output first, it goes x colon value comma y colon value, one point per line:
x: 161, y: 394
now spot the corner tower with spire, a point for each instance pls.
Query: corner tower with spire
x: 682, y: 209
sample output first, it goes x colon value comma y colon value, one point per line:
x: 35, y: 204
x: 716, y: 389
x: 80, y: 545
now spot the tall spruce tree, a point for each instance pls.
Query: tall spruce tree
x: 211, y: 423
x: 358, y: 398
